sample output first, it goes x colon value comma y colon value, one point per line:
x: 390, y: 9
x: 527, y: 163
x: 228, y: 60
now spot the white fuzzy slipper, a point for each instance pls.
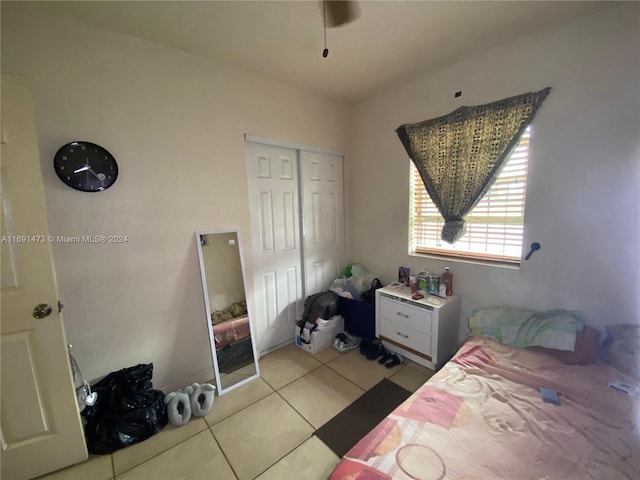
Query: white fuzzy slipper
x: 179, y: 406
x: 202, y: 399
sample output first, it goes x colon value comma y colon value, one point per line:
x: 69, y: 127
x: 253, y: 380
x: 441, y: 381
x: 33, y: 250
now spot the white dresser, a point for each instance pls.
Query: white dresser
x: 425, y: 331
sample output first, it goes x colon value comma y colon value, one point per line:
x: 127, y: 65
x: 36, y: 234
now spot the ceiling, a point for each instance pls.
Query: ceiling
x: 391, y: 41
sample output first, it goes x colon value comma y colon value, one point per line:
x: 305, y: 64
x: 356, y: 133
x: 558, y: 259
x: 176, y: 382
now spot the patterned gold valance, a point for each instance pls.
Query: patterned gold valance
x: 460, y: 155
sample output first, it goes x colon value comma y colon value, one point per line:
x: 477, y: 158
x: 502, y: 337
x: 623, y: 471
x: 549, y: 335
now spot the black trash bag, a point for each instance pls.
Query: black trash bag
x: 128, y: 410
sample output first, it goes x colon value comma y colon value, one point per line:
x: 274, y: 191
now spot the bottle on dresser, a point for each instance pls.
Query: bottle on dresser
x: 447, y: 279
x: 421, y: 282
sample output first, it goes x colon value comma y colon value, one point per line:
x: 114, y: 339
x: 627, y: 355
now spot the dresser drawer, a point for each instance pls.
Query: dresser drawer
x: 410, y: 338
x: 417, y: 318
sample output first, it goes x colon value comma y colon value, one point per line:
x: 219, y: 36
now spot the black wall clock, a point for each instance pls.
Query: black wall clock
x: 85, y: 166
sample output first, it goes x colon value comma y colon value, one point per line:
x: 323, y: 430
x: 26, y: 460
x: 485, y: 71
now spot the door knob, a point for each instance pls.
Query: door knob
x: 42, y: 310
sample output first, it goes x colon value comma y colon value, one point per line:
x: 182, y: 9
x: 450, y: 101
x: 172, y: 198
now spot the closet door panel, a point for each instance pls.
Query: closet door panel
x: 276, y: 248
x: 323, y: 219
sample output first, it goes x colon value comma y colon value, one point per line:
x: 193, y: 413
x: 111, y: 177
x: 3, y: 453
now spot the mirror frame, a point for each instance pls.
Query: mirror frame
x: 205, y: 293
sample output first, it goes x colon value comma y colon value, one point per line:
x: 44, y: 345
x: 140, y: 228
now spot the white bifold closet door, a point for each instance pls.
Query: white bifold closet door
x: 297, y: 233
x: 323, y: 214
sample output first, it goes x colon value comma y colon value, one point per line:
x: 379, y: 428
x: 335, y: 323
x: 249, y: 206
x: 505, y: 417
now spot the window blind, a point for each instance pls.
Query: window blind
x: 495, y: 226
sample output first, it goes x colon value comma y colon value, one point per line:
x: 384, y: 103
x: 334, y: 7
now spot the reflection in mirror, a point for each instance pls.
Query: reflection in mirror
x: 230, y: 331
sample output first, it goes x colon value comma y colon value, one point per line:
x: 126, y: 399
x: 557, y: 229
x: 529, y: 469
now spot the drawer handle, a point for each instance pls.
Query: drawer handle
x: 402, y: 335
x: 402, y: 314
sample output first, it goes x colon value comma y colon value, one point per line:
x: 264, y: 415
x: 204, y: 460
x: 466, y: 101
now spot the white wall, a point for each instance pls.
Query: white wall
x: 175, y: 124
x: 583, y: 203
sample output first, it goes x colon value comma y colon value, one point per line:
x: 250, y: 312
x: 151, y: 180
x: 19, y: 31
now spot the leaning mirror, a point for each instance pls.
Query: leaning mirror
x: 230, y: 331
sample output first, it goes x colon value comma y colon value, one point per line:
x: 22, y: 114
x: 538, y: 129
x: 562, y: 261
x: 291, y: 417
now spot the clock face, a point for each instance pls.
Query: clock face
x: 85, y: 166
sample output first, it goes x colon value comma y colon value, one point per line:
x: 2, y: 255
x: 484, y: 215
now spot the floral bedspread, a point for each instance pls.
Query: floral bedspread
x: 231, y: 331
x: 482, y: 416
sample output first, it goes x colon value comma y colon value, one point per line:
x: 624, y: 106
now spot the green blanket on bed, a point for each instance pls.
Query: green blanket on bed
x: 522, y: 328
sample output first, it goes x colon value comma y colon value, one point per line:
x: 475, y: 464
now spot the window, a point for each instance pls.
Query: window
x: 495, y: 227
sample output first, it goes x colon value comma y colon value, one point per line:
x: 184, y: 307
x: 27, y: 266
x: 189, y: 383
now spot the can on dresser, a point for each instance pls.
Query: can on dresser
x: 433, y: 284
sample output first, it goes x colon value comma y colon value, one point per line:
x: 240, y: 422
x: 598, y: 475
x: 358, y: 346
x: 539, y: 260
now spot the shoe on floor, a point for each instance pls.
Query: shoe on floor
x: 340, y: 339
x: 345, y: 342
x: 395, y: 360
x: 364, y: 345
x: 179, y: 406
x: 202, y: 399
x: 367, y: 344
x: 385, y: 357
x: 377, y: 350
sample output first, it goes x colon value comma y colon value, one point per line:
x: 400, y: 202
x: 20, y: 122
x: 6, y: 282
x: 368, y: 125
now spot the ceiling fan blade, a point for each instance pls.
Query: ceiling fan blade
x: 340, y: 12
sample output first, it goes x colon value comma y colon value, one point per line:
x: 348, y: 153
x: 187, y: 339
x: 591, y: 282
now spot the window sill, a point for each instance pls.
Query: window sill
x: 472, y: 261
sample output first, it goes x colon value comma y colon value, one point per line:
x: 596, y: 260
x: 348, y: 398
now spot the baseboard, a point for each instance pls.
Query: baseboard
x: 206, y: 375
x: 273, y: 349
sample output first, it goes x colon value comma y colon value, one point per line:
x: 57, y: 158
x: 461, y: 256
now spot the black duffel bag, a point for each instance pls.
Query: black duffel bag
x: 319, y: 305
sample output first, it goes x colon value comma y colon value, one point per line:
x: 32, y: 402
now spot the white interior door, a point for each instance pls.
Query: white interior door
x: 323, y: 213
x: 40, y: 421
x: 275, y: 236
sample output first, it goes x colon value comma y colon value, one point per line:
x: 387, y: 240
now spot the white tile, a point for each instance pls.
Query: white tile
x: 409, y: 378
x: 312, y: 460
x: 194, y: 459
x: 97, y: 467
x: 168, y: 437
x: 325, y: 355
x: 320, y: 395
x: 420, y: 368
x: 231, y: 402
x: 355, y: 367
x: 286, y: 365
x: 261, y: 434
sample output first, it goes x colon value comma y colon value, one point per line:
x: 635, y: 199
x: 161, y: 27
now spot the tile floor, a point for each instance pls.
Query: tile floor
x: 262, y: 430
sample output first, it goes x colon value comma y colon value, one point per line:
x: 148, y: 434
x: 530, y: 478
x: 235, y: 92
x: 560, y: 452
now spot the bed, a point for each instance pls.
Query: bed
x: 233, y: 343
x: 482, y: 417
x: 230, y: 331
